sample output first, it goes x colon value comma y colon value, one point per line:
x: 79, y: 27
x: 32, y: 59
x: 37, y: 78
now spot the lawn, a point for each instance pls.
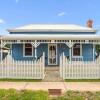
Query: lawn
x: 76, y: 95
x: 82, y: 80
x: 13, y: 94
x: 39, y: 80
x: 21, y: 80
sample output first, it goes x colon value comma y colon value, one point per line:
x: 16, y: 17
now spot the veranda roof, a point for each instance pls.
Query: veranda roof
x: 52, y: 28
x: 50, y: 37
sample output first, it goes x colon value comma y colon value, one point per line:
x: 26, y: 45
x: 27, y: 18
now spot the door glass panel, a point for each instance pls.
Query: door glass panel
x: 52, y: 54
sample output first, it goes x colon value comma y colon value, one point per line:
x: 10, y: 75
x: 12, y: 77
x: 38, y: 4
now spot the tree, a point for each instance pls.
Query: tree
x: 98, y: 48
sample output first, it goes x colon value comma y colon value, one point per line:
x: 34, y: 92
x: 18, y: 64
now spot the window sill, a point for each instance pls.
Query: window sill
x: 27, y: 56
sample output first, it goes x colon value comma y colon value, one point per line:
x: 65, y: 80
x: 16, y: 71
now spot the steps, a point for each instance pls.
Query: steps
x: 52, y: 74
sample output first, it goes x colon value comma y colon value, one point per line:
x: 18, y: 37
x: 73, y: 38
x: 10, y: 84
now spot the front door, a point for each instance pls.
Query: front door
x: 52, y: 54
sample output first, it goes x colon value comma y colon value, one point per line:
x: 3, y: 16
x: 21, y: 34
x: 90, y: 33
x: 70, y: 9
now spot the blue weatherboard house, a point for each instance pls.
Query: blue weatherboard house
x: 35, y: 47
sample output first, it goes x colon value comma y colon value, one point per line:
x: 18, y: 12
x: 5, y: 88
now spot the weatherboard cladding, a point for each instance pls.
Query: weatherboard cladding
x: 87, y: 52
x: 17, y: 52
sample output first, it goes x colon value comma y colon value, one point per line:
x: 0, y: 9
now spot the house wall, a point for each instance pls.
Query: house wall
x: 17, y: 52
x: 43, y: 48
x: 62, y: 48
x: 87, y: 52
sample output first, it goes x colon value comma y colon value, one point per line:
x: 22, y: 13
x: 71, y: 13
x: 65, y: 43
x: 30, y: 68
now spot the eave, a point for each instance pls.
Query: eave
x: 49, y: 30
x: 50, y: 37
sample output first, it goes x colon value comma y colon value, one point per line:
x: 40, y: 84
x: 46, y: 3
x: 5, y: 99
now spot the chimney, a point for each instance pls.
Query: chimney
x: 90, y: 23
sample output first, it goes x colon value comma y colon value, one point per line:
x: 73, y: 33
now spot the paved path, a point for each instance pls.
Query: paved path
x: 52, y: 74
x: 81, y: 86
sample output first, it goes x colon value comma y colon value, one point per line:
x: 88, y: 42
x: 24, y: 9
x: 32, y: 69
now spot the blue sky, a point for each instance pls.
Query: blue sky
x: 14, y: 13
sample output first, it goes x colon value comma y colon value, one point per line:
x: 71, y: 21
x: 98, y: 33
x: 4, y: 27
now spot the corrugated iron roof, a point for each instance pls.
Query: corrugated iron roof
x: 52, y: 27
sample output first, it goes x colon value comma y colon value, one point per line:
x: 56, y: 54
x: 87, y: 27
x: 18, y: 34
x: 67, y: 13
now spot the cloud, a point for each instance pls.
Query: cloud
x: 62, y: 13
x: 2, y: 21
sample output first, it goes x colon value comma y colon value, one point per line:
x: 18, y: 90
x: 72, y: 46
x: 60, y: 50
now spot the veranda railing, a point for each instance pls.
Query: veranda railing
x: 22, y: 69
x: 79, y: 69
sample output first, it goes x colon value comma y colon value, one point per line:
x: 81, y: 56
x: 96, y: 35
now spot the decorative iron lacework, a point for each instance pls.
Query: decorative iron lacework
x: 52, y: 41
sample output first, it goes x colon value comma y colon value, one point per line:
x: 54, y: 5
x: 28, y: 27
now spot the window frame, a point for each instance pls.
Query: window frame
x: 24, y: 51
x: 80, y: 50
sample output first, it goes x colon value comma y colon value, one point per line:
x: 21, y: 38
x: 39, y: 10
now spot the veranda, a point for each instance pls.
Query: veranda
x: 68, y: 69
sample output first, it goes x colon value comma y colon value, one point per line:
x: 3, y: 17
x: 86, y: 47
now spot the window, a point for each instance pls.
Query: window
x: 76, y: 50
x: 28, y: 50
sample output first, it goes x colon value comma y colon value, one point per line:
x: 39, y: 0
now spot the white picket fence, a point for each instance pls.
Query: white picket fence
x: 19, y: 69
x: 79, y: 69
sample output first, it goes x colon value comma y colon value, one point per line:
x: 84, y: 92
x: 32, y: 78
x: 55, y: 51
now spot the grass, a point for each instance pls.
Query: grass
x: 82, y: 80
x: 13, y: 94
x: 39, y: 80
x: 76, y: 95
x: 20, y: 80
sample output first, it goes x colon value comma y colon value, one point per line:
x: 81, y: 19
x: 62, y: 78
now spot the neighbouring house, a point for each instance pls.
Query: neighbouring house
x: 5, y: 51
x: 34, y: 47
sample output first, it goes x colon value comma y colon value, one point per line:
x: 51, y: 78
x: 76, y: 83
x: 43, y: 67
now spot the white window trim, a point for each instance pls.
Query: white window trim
x: 80, y: 51
x: 24, y: 51
x: 93, y: 52
x: 56, y: 53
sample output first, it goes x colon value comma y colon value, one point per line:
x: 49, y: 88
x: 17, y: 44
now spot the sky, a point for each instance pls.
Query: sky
x: 15, y: 13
